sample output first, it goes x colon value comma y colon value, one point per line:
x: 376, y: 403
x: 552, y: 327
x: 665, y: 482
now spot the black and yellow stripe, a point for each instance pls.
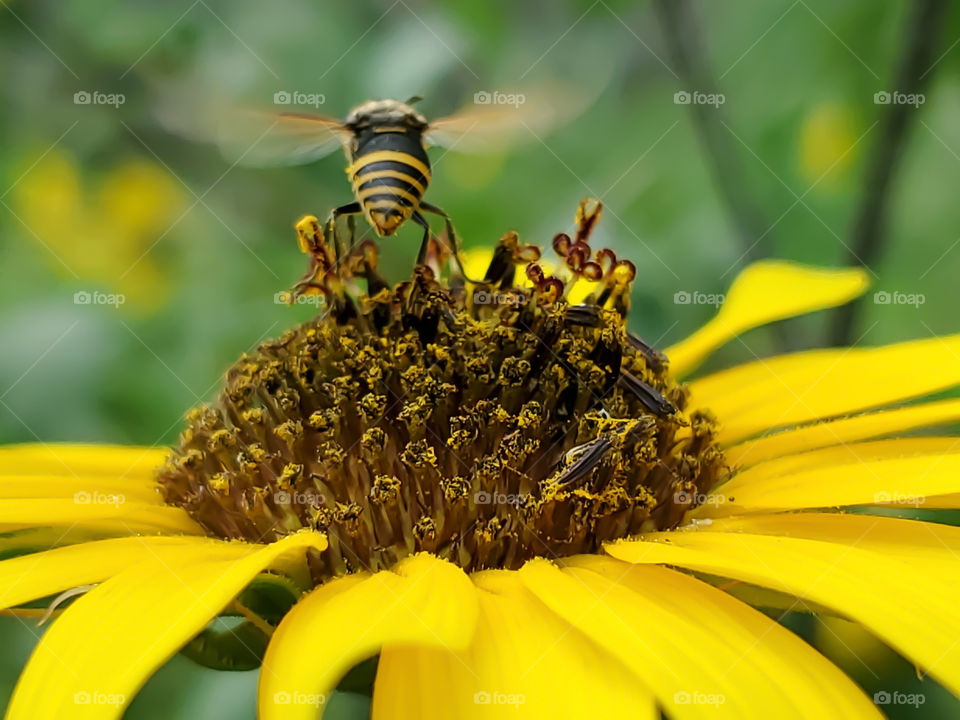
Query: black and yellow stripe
x: 389, y: 179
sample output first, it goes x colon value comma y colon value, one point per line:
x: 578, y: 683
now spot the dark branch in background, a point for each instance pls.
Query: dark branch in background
x: 682, y: 38
x: 913, y: 76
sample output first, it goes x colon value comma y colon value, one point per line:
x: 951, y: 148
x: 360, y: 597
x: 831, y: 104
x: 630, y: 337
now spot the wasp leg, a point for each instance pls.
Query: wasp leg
x: 330, y: 235
x: 454, y: 240
x: 425, y: 243
x: 351, y: 231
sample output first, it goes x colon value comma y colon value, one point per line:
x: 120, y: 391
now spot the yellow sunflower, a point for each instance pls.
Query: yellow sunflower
x: 509, y: 499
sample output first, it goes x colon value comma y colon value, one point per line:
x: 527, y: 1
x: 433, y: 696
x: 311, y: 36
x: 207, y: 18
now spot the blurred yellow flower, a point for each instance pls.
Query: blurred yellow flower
x: 827, y: 140
x: 102, y: 231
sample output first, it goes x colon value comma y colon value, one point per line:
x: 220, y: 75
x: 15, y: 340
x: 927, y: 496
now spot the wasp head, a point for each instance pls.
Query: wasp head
x: 374, y: 113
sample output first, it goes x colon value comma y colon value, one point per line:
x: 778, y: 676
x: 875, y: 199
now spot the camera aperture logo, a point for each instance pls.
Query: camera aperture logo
x: 483, y: 97
x: 296, y: 97
x: 895, y: 97
x: 95, y: 97
x: 85, y: 297
x: 695, y: 97
x: 685, y: 297
x: 895, y: 297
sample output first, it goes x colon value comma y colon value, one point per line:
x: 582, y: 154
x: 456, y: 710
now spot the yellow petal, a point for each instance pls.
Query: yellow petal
x: 830, y: 457
x: 104, y: 647
x: 901, y: 603
x: 821, y: 384
x: 703, y: 653
x: 88, y: 488
x: 38, y: 539
x: 476, y: 261
x: 111, y: 516
x: 764, y: 292
x: 843, y: 476
x: 41, y: 574
x: 844, y: 430
x: 524, y: 662
x: 71, y: 460
x: 422, y: 601
x: 91, y: 473
x: 909, y: 541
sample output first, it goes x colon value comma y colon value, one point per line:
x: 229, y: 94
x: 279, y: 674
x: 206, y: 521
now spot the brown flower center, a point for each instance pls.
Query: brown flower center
x: 487, y: 426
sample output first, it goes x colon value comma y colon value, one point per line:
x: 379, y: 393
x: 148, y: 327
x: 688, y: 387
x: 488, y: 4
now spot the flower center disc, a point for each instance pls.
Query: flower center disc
x: 487, y: 426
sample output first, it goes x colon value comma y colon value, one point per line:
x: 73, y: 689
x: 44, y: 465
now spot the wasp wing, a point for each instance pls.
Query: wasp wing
x: 497, y: 120
x: 265, y: 139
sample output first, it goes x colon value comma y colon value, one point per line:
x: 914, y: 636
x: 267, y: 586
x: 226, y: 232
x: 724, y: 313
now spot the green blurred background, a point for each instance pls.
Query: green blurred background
x: 122, y: 198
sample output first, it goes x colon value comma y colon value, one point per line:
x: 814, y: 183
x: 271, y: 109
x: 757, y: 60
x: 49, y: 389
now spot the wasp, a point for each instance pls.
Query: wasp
x: 385, y: 142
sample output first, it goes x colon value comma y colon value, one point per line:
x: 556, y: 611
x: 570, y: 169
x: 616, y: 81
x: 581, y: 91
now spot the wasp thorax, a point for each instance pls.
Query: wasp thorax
x: 485, y: 424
